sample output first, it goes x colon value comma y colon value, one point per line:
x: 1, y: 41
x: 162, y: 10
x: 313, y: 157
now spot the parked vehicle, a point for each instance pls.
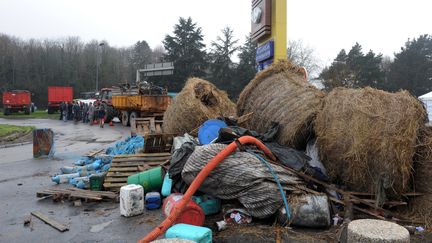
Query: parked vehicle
x: 16, y: 101
x: 56, y: 95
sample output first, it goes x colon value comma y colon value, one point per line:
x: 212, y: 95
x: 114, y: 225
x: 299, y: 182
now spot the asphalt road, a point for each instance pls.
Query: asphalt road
x: 21, y: 176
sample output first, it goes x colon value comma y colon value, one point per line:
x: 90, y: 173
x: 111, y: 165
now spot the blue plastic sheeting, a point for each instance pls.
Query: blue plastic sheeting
x: 130, y: 146
x: 209, y: 131
x: 79, y: 175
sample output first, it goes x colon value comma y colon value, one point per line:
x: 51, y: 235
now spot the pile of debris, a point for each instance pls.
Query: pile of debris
x: 295, y: 156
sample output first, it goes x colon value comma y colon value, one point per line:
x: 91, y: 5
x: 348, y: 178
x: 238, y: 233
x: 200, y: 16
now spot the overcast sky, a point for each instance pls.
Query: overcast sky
x: 325, y: 25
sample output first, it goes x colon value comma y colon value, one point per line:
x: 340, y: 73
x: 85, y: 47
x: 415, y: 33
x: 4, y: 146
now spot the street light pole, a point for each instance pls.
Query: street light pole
x: 97, y: 65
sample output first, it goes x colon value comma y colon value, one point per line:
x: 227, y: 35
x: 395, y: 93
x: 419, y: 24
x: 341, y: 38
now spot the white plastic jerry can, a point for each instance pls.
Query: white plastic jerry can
x: 131, y: 200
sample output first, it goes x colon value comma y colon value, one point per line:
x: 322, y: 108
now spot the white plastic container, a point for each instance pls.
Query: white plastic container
x: 131, y: 200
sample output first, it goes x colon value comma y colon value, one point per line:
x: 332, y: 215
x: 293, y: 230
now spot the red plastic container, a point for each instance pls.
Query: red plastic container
x: 192, y: 214
x: 56, y: 95
x: 15, y: 101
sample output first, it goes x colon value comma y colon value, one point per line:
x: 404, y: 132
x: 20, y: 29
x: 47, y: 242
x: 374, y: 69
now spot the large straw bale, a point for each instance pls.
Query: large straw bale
x: 367, y: 138
x: 281, y: 94
x: 198, y: 101
x: 421, y: 206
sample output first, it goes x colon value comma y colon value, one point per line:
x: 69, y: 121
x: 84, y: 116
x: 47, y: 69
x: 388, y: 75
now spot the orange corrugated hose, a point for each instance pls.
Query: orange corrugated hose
x: 178, y: 208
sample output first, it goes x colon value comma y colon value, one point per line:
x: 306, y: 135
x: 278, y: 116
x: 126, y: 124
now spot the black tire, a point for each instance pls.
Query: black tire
x: 50, y: 111
x: 27, y: 111
x: 5, y: 111
x: 125, y: 118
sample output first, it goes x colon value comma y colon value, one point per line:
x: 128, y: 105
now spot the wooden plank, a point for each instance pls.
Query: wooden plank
x: 58, y: 226
x: 144, y: 160
x: 116, y: 179
x: 114, y: 184
x: 135, y: 164
x: 118, y: 174
x: 142, y: 155
x: 93, y: 153
x: 124, y: 169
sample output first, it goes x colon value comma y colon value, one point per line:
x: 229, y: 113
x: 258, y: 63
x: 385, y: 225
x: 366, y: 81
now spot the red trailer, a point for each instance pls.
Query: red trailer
x: 56, y: 95
x: 16, y: 101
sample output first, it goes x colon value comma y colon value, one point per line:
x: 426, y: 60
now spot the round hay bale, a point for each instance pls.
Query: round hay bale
x: 421, y: 206
x: 372, y: 230
x: 281, y: 94
x: 198, y: 101
x: 367, y: 139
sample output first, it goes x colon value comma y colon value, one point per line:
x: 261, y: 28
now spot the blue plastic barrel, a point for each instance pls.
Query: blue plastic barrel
x: 209, y: 130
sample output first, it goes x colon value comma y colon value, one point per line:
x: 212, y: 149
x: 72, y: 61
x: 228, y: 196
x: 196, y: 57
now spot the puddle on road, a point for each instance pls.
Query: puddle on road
x: 99, y: 227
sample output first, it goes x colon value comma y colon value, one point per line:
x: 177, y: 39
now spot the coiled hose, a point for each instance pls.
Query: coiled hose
x: 199, y: 179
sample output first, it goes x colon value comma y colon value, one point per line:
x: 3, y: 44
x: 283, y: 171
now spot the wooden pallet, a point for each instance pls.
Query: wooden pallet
x: 158, y: 143
x: 75, y: 193
x: 123, y: 166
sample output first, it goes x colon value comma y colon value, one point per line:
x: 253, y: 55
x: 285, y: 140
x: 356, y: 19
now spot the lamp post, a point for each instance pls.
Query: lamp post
x: 98, y: 61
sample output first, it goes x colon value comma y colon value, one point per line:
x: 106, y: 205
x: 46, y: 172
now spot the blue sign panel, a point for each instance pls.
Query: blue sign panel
x: 265, y: 51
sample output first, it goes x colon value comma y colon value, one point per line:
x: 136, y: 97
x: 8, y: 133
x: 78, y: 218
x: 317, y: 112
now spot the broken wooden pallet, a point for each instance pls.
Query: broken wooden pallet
x: 123, y: 166
x: 75, y: 193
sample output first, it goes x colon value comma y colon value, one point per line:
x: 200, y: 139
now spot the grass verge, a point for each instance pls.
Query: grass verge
x: 6, y: 130
x: 37, y: 114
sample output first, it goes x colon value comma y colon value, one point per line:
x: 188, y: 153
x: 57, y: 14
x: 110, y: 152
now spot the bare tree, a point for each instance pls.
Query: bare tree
x: 303, y: 55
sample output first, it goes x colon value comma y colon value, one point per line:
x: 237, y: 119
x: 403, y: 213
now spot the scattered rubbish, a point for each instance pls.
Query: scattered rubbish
x: 307, y: 211
x: 191, y: 214
x: 123, y: 166
x: 166, y: 186
x: 242, y: 176
x: 153, y: 200
x: 99, y: 227
x: 77, y: 203
x: 43, y: 143
x: 237, y: 216
x: 27, y: 220
x: 151, y: 179
x: 58, y: 226
x: 209, y: 131
x: 96, y: 181
x: 337, y: 219
x: 131, y: 200
x: 209, y: 204
x: 75, y: 193
x: 190, y: 232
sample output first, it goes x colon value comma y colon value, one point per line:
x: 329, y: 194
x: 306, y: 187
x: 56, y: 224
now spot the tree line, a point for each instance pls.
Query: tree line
x: 35, y: 64
x: 410, y: 70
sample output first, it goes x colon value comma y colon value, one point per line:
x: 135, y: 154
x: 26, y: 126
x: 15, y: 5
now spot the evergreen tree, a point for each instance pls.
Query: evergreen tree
x: 221, y: 65
x: 186, y: 49
x: 246, y: 69
x: 141, y: 54
x: 412, y: 67
x: 354, y: 70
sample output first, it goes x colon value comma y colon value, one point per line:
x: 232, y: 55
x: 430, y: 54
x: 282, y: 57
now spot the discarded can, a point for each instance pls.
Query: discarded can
x: 190, y: 232
x: 192, y: 213
x: 152, y: 200
x: 96, y: 181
